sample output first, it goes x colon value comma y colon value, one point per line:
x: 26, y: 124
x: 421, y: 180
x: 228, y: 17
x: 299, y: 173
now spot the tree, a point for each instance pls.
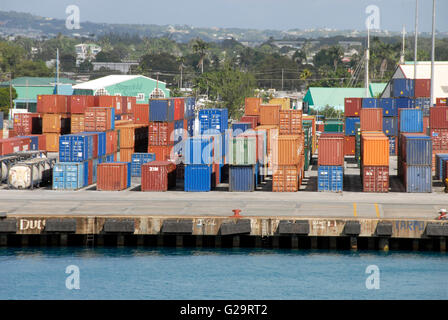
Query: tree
x: 107, y: 56
x: 5, y: 99
x: 200, y: 47
x: 328, y: 57
x: 68, y: 62
x: 29, y: 68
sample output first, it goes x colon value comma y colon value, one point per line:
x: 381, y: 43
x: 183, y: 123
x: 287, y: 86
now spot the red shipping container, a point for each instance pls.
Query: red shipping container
x: 52, y: 103
x: 112, y: 176
x: 286, y: 178
x: 349, y: 145
x: 441, y: 101
x: 141, y: 113
x: 422, y: 88
x: 331, y: 151
x: 269, y: 114
x: 11, y: 145
x: 375, y: 179
x: 439, y: 139
x: 352, y: 107
x: 438, y: 117
x: 111, y: 142
x: 425, y: 123
x: 128, y: 104
x: 127, y: 116
x: 371, y: 119
x: 179, y: 108
x: 27, y: 123
x: 98, y: 119
x: 160, y: 133
x: 104, y: 101
x: 78, y: 104
x: 158, y: 176
x: 95, y: 146
x: 41, y: 141
x: 216, y: 171
x: 162, y: 152
x: 253, y: 120
x: 118, y: 104
x: 90, y: 172
x: 320, y: 127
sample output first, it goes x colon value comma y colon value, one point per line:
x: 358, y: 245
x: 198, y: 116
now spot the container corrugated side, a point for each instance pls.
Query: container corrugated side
x: 330, y: 178
x: 241, y: 178
x: 158, y: 176
x: 352, y: 107
x: 371, y: 119
x: 375, y: 149
x: 331, y: 151
x: 242, y: 151
x: 285, y: 178
x: 288, y: 149
x: 198, y: 178
x: 438, y: 118
x: 252, y: 106
x: 375, y: 178
x: 440, y: 165
x: 411, y: 120
x: 270, y: 114
x: 416, y: 150
x: 418, y: 179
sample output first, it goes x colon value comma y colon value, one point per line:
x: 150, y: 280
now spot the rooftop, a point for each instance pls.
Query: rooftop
x: 108, y: 81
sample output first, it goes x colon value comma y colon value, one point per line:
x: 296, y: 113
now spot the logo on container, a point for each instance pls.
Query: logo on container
x: 373, y: 280
x: 73, y: 21
x: 73, y: 280
x: 373, y: 18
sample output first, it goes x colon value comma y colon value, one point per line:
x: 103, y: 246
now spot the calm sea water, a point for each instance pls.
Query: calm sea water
x: 128, y: 273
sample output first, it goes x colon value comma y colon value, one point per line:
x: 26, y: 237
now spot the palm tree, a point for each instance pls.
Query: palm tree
x: 200, y: 47
x: 181, y: 61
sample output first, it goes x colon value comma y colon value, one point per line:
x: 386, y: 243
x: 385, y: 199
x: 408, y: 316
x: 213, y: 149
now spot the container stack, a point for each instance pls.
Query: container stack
x: 358, y: 144
x: 242, y: 160
x: 139, y: 159
x: 284, y: 103
x: 333, y: 126
x: 308, y: 138
x: 158, y: 176
x: 252, y: 111
x: 438, y: 122
x: 199, y: 159
x: 331, y: 162
x: 390, y: 122
x: 352, y: 109
x: 312, y: 121
x: 114, y: 176
x: 374, y: 161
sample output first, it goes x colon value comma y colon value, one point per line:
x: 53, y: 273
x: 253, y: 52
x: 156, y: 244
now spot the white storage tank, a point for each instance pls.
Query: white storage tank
x: 30, y: 173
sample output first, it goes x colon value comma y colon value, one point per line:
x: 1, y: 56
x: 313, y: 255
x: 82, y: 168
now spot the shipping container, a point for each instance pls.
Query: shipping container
x: 290, y: 122
x: 253, y: 120
x: 141, y: 113
x: 37, y: 142
x: 261, y: 152
x: 52, y: 141
x: 78, y: 103
x: 190, y: 103
x: 242, y: 151
x: 423, y: 103
x: 375, y: 178
x: 179, y: 108
x: 99, y: 119
x: 1, y: 122
x: 11, y: 145
x: 405, y: 103
x: 285, y: 178
x: 26, y: 123
x: 126, y: 154
x: 213, y: 120
x: 241, y: 178
x: 331, y: 150
x: 75, y: 148
x: 128, y: 104
x: 352, y: 107
x: 389, y: 107
x: 370, y: 103
x: 161, y: 110
x: 330, y: 178
x: 199, y: 150
x: 411, y: 120
x: 393, y: 145
x: 162, y: 152
x: 441, y: 101
x: 350, y: 126
x: 371, y: 119
x: 138, y: 159
x: 439, y: 138
x: 416, y: 149
x: 438, y: 118
x: 272, y: 133
x: 51, y: 103
x: 252, y: 106
x: 111, y: 142
x: 102, y: 141
x: 30, y: 173
x: 440, y: 165
x: 51, y: 123
x: 284, y: 103
x: 113, y: 176
x: 158, y: 176
x: 374, y: 149
x: 269, y: 114
x: 422, y: 88
x: 240, y: 127
x: 349, y: 145
x: 333, y: 126
x: 390, y: 126
x: 70, y: 175
x: 417, y: 178
x: 288, y: 149
x: 77, y: 123
x: 198, y: 178
x: 402, y: 87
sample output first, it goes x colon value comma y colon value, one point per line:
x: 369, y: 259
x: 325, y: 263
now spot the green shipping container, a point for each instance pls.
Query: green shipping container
x: 307, y: 159
x: 334, y: 126
x: 242, y: 151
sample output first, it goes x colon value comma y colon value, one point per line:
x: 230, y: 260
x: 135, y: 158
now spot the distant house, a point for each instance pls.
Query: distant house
x: 123, y: 67
x: 86, y: 51
x: 28, y: 88
x: 124, y: 85
x: 406, y: 70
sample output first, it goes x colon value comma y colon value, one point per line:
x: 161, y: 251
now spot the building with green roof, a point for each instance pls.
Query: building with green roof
x: 320, y: 97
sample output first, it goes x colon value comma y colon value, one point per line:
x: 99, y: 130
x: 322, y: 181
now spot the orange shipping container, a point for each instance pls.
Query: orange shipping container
x: 288, y: 149
x: 271, y: 135
x: 290, y: 122
x: 269, y: 114
x: 349, y: 145
x: 162, y: 152
x: 331, y: 150
x: 371, y: 119
x: 51, y: 123
x: 111, y: 142
x: 286, y: 178
x: 141, y: 113
x: 127, y: 136
x: 77, y: 123
x: 112, y: 176
x: 374, y: 149
x: 52, y: 103
x: 252, y: 106
x: 126, y: 154
x: 52, y: 142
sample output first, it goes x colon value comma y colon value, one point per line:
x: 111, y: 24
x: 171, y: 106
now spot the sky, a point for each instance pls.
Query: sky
x: 254, y: 14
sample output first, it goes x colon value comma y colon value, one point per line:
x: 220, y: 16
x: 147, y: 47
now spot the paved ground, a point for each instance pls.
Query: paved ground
x: 306, y: 203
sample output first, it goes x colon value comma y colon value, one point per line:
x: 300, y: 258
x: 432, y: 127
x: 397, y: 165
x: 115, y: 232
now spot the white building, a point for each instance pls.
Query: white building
x: 86, y: 51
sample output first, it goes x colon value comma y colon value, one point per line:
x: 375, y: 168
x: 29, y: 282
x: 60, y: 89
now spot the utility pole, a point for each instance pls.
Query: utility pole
x: 403, y: 45
x: 282, y: 79
x: 367, y: 62
x: 10, y: 93
x: 57, y: 71
x: 432, y: 48
x: 415, y: 41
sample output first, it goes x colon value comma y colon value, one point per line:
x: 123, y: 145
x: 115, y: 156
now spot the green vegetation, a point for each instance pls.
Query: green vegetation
x: 5, y: 99
x: 328, y: 112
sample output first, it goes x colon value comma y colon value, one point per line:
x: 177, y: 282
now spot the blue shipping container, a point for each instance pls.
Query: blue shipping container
x: 418, y: 179
x: 213, y: 120
x: 161, y: 110
x: 198, y: 178
x: 199, y: 150
x: 392, y: 146
x: 390, y: 126
x: 404, y: 103
x: 190, y: 127
x: 369, y: 103
x: 117, y: 117
x: 75, y: 147
x: 190, y: 103
x: 95, y: 163
x: 178, y: 130
x: 70, y: 175
x: 389, y: 107
x: 418, y: 150
x: 1, y: 120
x: 411, y: 120
x: 241, y: 178
x: 423, y: 103
x: 440, y: 167
x: 34, y: 143
x: 350, y: 124
x: 240, y: 127
x: 138, y: 159
x: 330, y: 178
x: 402, y: 87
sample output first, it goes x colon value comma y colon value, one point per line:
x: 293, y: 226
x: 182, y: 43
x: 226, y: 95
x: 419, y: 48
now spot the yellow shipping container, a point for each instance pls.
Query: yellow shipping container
x: 284, y: 102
